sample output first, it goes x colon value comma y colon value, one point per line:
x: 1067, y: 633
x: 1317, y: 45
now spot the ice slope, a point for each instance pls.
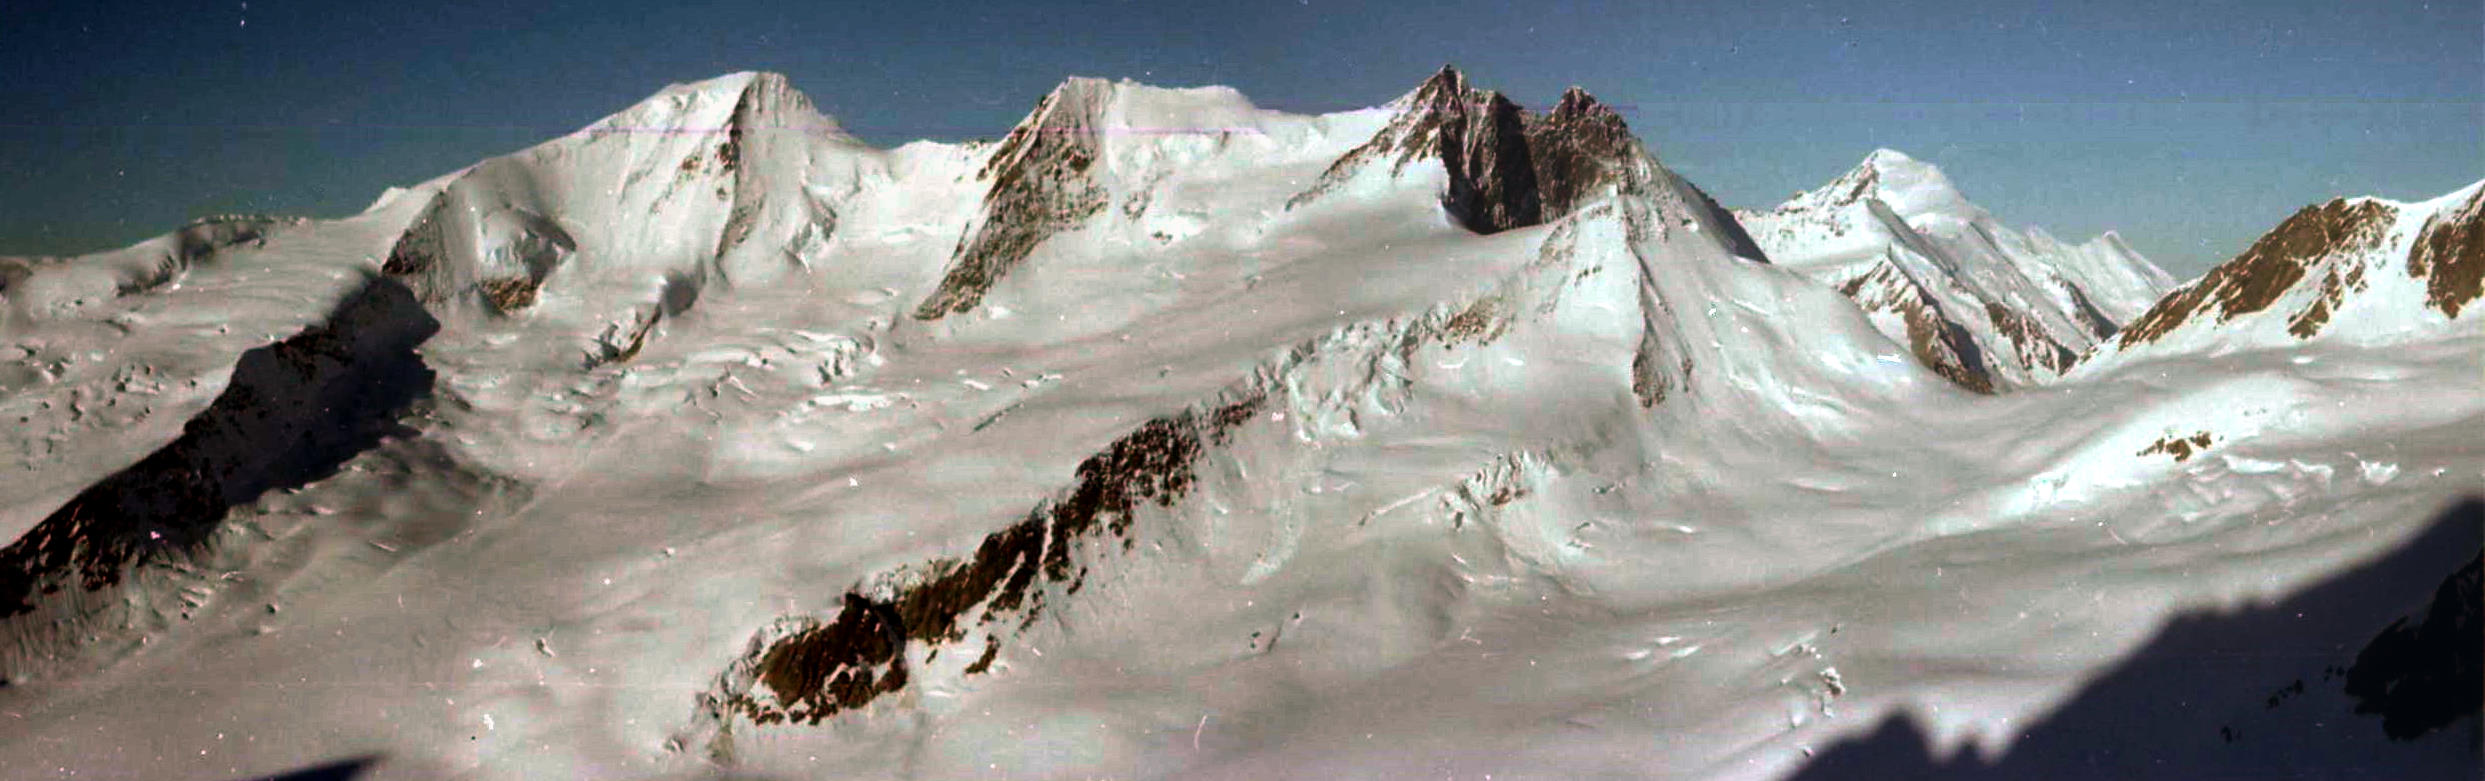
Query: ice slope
x: 1337, y: 485
x: 1986, y: 304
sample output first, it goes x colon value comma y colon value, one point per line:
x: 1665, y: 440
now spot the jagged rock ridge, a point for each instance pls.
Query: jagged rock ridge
x: 1507, y: 167
x: 2255, y: 279
x: 293, y: 411
x: 2450, y: 256
x: 1041, y: 185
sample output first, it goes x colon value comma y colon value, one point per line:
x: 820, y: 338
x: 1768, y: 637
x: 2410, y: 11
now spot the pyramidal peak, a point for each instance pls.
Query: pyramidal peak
x: 1887, y: 156
x: 1913, y: 188
x: 742, y: 101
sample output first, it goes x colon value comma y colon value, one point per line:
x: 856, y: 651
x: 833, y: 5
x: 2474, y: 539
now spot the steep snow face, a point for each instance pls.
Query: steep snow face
x: 1233, y: 466
x: 734, y: 179
x: 2022, y: 304
x: 2366, y: 270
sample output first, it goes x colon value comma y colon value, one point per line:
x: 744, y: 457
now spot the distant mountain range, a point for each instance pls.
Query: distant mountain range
x: 1169, y: 436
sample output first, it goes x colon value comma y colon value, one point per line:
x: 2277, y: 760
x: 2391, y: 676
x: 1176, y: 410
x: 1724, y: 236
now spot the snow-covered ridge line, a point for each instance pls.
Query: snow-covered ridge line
x: 890, y: 629
x: 1200, y: 485
x: 2367, y: 270
x: 293, y: 412
x: 1895, y: 234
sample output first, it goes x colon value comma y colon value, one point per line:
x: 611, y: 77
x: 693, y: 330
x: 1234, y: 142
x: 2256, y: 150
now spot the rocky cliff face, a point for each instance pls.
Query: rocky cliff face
x: 295, y: 410
x: 1507, y: 167
x: 1929, y: 332
x: 1479, y: 137
x: 2273, y: 265
x: 1041, y: 183
x: 2450, y: 256
x: 2364, y: 270
x: 1576, y: 147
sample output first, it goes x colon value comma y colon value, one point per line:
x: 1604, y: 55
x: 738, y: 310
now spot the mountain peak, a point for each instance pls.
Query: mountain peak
x: 1912, y: 188
x: 1577, y: 105
x: 1442, y: 87
x: 1886, y: 156
x: 740, y: 100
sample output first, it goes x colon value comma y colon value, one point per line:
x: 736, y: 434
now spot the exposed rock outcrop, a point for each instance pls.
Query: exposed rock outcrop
x: 293, y: 412
x: 1481, y: 140
x: 2450, y: 256
x: 1507, y: 168
x: 1932, y: 335
x: 2033, y: 347
x: 805, y: 669
x: 1041, y: 185
x: 2257, y: 278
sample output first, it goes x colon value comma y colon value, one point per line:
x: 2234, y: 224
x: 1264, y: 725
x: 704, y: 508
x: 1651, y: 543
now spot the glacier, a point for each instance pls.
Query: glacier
x: 1169, y: 436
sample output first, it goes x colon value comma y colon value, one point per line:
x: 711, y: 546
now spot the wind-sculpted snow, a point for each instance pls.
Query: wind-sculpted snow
x: 804, y: 669
x: 148, y: 267
x: 1237, y: 444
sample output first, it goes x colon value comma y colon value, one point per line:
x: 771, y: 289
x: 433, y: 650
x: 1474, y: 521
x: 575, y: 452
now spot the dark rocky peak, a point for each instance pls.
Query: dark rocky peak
x: 1480, y: 137
x: 1507, y: 168
x: 1444, y: 89
x: 1579, y: 146
x: 1576, y: 106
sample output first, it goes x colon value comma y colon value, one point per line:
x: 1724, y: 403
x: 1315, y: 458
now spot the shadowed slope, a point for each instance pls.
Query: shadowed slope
x: 294, y: 412
x: 2226, y: 696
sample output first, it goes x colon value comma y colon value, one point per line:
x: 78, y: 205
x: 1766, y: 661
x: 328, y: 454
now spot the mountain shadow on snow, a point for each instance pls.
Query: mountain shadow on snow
x: 294, y: 412
x: 2425, y: 677
x: 339, y: 770
x: 2265, y: 692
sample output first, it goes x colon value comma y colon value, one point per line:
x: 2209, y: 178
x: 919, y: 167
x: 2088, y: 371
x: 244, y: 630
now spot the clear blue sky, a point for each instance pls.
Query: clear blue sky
x: 2189, y: 126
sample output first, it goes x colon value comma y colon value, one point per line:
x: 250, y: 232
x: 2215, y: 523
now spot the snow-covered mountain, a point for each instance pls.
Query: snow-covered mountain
x: 2366, y: 270
x: 1166, y: 437
x: 1984, y: 304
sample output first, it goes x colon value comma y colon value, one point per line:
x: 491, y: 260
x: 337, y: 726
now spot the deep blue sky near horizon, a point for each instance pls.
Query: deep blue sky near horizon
x: 2189, y: 127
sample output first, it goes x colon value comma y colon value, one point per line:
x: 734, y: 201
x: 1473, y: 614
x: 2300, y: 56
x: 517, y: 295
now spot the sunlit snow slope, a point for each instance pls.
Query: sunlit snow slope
x: 1165, y: 437
x: 1990, y: 306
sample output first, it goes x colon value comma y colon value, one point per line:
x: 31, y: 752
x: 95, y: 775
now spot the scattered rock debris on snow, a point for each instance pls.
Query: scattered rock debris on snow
x: 2180, y: 448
